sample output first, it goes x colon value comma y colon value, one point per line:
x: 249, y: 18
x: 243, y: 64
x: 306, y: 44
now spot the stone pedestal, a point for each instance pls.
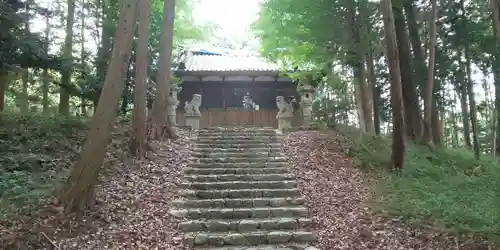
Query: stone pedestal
x: 284, y: 122
x: 172, y: 111
x: 306, y: 113
x: 173, y: 103
x: 193, y: 121
x: 306, y: 92
x: 192, y: 112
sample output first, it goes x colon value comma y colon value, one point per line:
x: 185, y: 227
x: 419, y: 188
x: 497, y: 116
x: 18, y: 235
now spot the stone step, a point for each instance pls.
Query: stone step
x: 239, y: 185
x: 239, y: 145
x: 238, y: 177
x: 248, y: 154
x: 240, y: 213
x: 247, y: 164
x: 234, y: 142
x: 283, y: 223
x: 264, y: 247
x: 236, y: 150
x: 240, y: 203
x: 248, y: 238
x: 256, y: 130
x: 235, y: 170
x: 239, y: 193
x: 242, y: 137
x: 261, y: 160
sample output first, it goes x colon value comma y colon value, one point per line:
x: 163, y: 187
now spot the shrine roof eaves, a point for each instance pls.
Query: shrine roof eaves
x: 228, y: 63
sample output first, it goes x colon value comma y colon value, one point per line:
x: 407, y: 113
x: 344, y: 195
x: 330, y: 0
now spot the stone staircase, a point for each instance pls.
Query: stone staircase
x: 238, y: 194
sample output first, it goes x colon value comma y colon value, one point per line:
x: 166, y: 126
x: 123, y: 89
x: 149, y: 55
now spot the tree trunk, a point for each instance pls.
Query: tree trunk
x: 416, y: 43
x: 83, y: 104
x: 465, y: 112
x: 495, y: 7
x: 412, y: 110
x: 67, y: 60
x: 472, y: 105
x: 436, y: 124
x: 359, y: 105
x: 23, y: 101
x: 429, y: 88
x: 159, y: 122
x: 375, y: 89
x: 79, y: 191
x: 358, y: 67
x: 4, y: 79
x: 398, y: 134
x: 138, y: 141
x: 455, y: 127
x: 45, y: 75
x: 104, y: 51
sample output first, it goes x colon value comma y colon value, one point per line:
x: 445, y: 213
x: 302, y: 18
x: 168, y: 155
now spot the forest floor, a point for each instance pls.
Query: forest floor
x: 354, y: 202
x: 354, y: 208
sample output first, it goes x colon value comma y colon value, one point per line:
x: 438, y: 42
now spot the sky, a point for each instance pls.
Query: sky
x: 233, y: 16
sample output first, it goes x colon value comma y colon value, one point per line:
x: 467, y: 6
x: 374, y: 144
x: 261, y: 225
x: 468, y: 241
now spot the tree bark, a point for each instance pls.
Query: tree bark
x: 358, y: 67
x: 24, y: 103
x: 375, y: 89
x: 416, y: 43
x: 472, y: 106
x: 161, y: 127
x: 45, y: 75
x: 412, y: 110
x: 104, y: 51
x: 79, y: 191
x: 495, y: 7
x: 67, y: 66
x: 429, y: 88
x: 4, y: 79
x: 83, y: 104
x: 398, y: 134
x: 138, y: 140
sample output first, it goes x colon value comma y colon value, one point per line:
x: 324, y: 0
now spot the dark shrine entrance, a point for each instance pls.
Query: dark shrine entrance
x: 224, y: 81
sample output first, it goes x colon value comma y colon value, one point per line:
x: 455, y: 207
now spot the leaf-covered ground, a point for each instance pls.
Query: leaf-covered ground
x: 339, y: 197
x: 133, y: 204
x: 132, y: 200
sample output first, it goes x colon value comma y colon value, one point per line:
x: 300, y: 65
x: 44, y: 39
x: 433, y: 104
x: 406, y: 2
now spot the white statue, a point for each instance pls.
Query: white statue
x: 284, y: 109
x: 193, y: 108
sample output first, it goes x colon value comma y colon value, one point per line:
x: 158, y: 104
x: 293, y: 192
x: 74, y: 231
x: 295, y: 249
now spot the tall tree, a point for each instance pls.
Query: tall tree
x: 398, y: 130
x: 79, y: 190
x: 45, y: 75
x: 138, y: 140
x: 412, y: 109
x: 67, y: 66
x: 495, y: 7
x: 159, y: 121
x: 429, y: 87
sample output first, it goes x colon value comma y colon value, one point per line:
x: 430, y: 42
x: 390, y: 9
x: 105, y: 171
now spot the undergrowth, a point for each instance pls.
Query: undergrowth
x: 446, y: 188
x: 35, y: 155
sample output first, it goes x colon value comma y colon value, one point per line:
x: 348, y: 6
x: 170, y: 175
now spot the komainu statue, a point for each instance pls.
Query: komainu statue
x: 285, y: 109
x: 193, y: 108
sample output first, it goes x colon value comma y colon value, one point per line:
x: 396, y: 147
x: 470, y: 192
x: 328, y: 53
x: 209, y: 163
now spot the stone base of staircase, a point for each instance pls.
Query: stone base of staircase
x: 238, y: 194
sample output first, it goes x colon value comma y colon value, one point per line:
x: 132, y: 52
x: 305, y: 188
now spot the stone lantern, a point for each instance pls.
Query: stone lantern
x: 173, y: 103
x: 307, y: 96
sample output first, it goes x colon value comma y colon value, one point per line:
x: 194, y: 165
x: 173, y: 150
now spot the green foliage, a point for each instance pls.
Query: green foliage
x: 447, y: 188
x: 37, y: 153
x: 19, y: 46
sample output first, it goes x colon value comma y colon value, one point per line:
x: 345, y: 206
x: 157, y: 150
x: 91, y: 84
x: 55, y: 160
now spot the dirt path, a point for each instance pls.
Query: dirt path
x: 338, y: 194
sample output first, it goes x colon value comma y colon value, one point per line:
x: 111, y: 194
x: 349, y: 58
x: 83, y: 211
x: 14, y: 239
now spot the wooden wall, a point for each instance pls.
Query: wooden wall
x: 237, y: 117
x: 222, y: 102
